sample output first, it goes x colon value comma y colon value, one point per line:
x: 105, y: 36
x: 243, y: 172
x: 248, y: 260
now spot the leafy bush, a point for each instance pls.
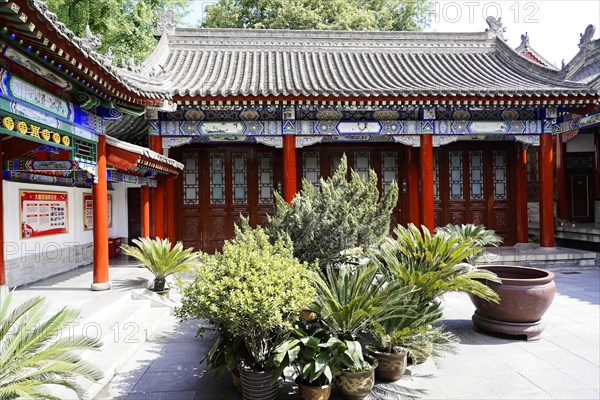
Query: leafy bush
x: 31, y: 358
x: 477, y: 235
x: 253, y: 290
x: 160, y: 259
x: 432, y: 264
x: 340, y: 215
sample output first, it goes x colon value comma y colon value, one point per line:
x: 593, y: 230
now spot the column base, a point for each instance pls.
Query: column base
x: 101, y: 286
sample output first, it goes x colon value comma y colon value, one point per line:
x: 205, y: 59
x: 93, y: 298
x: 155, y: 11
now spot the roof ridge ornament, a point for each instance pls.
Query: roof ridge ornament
x: 585, y: 38
x: 495, y: 26
x: 164, y: 22
x: 91, y: 40
x: 525, y: 40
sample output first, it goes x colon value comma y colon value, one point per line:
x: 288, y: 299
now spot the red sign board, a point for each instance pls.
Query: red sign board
x: 43, y: 213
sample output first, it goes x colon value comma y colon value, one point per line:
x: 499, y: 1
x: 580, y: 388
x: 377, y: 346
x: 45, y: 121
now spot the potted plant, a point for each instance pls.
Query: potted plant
x: 162, y: 259
x: 350, y: 298
x: 225, y: 354
x: 252, y: 290
x: 313, y: 352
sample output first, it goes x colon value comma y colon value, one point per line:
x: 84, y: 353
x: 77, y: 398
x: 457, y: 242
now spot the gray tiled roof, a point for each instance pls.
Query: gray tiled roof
x: 585, y: 66
x: 227, y: 63
x: 129, y: 128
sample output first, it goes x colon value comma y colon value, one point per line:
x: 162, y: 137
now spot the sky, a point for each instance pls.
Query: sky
x: 553, y: 25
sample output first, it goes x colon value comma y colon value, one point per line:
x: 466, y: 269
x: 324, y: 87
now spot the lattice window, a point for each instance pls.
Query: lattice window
x: 265, y: 178
x: 311, y: 167
x: 190, y: 178
x: 436, y: 174
x: 476, y: 174
x: 499, y: 168
x: 389, y: 170
x: 362, y: 164
x: 336, y: 160
x: 217, y: 178
x: 239, y: 178
x: 83, y: 150
x: 455, y: 167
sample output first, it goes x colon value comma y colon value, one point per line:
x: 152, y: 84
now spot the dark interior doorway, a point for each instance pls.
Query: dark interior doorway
x: 134, y: 212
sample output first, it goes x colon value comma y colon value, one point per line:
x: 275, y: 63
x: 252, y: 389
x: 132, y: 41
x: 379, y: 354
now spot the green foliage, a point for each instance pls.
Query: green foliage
x: 477, y: 235
x: 126, y: 26
x: 398, y: 15
x: 340, y: 216
x: 160, y: 259
x: 32, y: 357
x: 226, y: 352
x: 253, y: 290
x: 312, y: 351
x: 432, y: 264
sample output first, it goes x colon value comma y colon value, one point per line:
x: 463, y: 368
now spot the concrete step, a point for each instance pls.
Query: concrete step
x: 124, y: 325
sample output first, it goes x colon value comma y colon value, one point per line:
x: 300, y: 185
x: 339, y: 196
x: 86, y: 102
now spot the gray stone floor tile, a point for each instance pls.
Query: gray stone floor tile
x: 591, y: 354
x: 582, y: 394
x: 552, y: 380
x: 178, y: 395
x: 172, y: 381
x: 590, y: 377
x: 563, y: 359
x: 464, y: 386
x: 523, y: 361
x: 508, y: 383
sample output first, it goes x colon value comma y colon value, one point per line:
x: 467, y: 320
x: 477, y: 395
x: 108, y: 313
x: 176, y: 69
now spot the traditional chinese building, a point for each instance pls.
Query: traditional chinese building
x: 64, y: 181
x: 450, y: 117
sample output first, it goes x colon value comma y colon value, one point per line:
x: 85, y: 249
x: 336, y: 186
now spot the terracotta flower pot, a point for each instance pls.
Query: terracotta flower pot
x: 356, y: 385
x: 525, y: 295
x: 391, y: 366
x: 258, y: 385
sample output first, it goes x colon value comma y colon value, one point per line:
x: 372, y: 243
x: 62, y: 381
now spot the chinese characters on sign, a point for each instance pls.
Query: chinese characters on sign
x: 88, y: 211
x: 43, y: 213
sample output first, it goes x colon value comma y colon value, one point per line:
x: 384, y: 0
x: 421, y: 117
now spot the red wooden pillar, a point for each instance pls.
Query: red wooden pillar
x: 170, y: 208
x: 2, y: 271
x: 145, y: 211
x: 289, y: 167
x: 546, y: 192
x: 158, y: 207
x: 100, y: 230
x: 426, y: 172
x: 158, y: 193
x: 596, y: 182
x: 412, y: 171
x: 521, y: 176
x: 562, y: 206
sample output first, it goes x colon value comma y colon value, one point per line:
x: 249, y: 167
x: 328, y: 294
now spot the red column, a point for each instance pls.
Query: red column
x: 158, y: 207
x: 289, y: 167
x: 145, y: 211
x: 426, y: 172
x: 596, y: 182
x: 546, y: 192
x: 158, y: 193
x: 100, y: 231
x: 562, y: 205
x: 412, y: 171
x: 521, y: 176
x: 170, y: 208
x: 2, y: 272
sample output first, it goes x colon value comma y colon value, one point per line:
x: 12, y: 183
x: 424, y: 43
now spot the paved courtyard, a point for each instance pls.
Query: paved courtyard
x: 565, y: 364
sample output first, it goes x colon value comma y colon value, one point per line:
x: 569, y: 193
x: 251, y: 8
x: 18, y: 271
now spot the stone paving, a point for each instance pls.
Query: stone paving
x: 564, y: 364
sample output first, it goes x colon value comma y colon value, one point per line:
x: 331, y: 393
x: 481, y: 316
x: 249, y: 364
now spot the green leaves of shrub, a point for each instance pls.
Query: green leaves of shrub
x: 340, y: 215
x: 253, y: 290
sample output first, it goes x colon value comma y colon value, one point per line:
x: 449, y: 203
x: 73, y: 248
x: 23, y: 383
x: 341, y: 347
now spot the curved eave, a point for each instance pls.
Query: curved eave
x: 41, y: 30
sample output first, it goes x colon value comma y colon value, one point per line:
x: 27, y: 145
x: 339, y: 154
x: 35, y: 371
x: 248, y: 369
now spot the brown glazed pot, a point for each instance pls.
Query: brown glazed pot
x: 356, y: 385
x: 525, y: 295
x: 308, y: 392
x: 391, y: 366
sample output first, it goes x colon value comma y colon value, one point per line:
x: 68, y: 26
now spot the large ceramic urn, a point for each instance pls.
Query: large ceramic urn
x: 525, y: 295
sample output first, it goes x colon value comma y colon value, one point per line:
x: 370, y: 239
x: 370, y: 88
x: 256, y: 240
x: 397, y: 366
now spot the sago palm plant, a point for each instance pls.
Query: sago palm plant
x: 477, y: 235
x: 161, y: 258
x: 434, y: 265
x: 33, y: 354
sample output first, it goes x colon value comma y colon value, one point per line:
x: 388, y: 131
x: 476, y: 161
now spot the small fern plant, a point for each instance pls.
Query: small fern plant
x: 161, y: 258
x: 31, y: 356
x: 477, y: 235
